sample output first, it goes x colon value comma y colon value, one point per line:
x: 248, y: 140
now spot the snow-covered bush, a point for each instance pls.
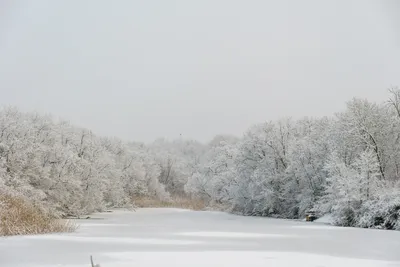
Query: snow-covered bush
x: 382, y: 213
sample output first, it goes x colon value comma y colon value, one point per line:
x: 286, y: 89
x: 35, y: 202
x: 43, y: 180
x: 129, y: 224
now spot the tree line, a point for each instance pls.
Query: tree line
x: 346, y: 165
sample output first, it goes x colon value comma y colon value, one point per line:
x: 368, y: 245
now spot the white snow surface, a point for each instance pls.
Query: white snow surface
x: 327, y: 219
x: 170, y: 237
x: 232, y: 234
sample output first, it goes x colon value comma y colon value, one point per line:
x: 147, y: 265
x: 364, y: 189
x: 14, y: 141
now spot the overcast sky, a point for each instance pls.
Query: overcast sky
x: 155, y: 68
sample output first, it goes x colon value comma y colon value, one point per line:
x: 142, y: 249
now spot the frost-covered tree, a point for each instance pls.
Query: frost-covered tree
x: 348, y: 187
x: 178, y: 160
x: 305, y: 175
x: 213, y: 181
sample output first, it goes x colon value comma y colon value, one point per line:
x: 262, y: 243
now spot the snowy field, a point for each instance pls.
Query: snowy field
x: 172, y: 237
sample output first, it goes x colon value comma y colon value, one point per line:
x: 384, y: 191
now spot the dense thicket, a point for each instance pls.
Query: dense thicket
x: 347, y: 165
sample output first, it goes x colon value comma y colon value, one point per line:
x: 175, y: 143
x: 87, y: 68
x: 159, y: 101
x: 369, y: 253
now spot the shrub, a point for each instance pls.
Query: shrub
x: 173, y: 202
x: 382, y: 213
x: 19, y: 217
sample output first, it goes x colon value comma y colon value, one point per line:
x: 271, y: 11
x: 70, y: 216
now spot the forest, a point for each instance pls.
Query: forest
x: 346, y: 165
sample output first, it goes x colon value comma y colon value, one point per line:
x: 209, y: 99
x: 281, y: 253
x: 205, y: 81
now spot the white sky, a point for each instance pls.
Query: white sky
x: 146, y: 69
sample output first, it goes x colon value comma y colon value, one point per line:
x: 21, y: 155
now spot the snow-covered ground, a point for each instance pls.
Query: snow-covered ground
x: 172, y: 237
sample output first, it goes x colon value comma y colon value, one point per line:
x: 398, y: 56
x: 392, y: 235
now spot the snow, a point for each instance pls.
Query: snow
x: 112, y: 240
x: 317, y: 227
x: 233, y: 258
x: 327, y: 219
x: 232, y: 234
x: 170, y: 237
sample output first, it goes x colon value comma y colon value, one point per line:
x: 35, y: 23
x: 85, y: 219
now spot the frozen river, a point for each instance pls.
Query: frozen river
x: 172, y: 237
